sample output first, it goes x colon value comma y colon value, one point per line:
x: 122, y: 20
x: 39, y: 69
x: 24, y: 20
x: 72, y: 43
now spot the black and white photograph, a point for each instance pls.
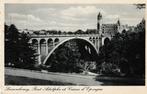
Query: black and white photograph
x: 74, y: 44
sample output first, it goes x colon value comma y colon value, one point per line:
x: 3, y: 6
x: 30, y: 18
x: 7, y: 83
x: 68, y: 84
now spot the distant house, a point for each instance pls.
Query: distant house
x: 26, y: 31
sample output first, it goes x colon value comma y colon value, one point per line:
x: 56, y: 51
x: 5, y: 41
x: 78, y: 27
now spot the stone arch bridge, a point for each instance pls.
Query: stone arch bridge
x: 45, y: 45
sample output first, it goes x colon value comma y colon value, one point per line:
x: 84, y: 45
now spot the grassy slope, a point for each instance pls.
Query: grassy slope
x: 16, y: 80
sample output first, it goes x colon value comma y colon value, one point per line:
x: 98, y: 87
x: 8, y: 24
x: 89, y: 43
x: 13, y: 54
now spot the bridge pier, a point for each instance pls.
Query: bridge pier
x: 39, y: 54
x: 46, y: 50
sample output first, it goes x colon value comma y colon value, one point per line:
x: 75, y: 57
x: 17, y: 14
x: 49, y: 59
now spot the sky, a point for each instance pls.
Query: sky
x: 70, y: 17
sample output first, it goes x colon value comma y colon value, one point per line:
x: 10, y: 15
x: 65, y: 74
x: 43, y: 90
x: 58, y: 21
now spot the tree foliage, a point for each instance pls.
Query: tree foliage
x: 70, y: 57
x: 125, y: 52
x: 140, y: 6
x: 18, y: 51
x: 65, y: 58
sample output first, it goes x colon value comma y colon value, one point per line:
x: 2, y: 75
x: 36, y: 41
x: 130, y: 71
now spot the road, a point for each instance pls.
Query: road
x: 76, y: 79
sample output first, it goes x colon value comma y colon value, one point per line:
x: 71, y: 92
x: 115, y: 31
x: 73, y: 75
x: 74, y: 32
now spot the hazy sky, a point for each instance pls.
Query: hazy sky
x: 69, y: 17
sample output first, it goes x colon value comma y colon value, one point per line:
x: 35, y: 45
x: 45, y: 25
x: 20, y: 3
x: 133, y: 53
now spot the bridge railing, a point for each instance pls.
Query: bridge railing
x: 62, y: 35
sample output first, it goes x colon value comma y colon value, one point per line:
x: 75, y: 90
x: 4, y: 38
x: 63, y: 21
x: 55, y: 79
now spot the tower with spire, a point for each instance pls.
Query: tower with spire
x: 99, y: 23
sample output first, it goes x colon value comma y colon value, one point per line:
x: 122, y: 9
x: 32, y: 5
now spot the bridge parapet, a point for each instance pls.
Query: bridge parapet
x: 64, y: 35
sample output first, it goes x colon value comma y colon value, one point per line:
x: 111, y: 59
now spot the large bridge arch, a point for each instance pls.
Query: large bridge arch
x: 73, y: 38
x: 104, y: 38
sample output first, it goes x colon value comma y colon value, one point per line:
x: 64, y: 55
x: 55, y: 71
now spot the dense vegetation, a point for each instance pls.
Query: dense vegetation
x: 18, y: 51
x: 72, y: 57
x: 124, y: 53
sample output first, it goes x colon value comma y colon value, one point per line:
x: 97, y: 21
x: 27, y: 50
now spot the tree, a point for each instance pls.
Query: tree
x: 69, y: 32
x: 36, y: 32
x: 18, y: 52
x: 26, y: 56
x: 90, y: 31
x: 140, y: 6
x: 79, y: 32
x: 86, y: 66
x: 11, y: 45
x: 59, y: 32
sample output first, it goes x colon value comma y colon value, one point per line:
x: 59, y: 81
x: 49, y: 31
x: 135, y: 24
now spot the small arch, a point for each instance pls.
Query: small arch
x: 106, y: 41
x: 90, y: 39
x: 49, y: 41
x: 42, y: 41
x: 56, y: 40
x: 50, y: 44
x: 94, y: 40
x: 34, y: 42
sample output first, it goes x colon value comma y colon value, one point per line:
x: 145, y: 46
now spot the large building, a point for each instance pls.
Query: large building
x: 109, y: 29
